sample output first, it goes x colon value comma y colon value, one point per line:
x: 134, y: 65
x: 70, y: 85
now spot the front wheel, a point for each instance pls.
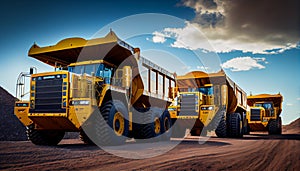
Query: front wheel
x: 178, y: 131
x: 44, y: 137
x: 279, y: 132
x: 275, y: 126
x: 112, y: 126
x: 83, y: 137
x: 235, y: 125
x: 221, y: 130
x: 246, y: 128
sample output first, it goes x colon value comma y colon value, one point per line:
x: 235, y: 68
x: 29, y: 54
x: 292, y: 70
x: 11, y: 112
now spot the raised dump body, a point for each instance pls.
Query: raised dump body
x: 264, y: 114
x: 209, y: 101
x: 101, y: 87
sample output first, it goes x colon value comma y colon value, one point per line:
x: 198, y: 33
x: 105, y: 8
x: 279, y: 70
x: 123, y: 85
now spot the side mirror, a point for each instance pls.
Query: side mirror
x: 31, y: 71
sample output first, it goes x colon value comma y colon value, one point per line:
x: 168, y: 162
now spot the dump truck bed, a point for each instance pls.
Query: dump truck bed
x: 275, y: 98
x: 236, y: 96
x: 110, y: 49
x: 73, y: 50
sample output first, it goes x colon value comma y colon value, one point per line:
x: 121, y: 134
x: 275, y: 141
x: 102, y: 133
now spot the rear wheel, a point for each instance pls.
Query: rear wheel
x: 148, y: 125
x: 235, y: 125
x: 166, y: 124
x: 44, y: 137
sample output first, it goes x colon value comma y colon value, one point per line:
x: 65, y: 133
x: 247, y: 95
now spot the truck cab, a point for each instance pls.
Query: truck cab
x: 205, y: 101
x: 264, y: 113
x: 98, y: 89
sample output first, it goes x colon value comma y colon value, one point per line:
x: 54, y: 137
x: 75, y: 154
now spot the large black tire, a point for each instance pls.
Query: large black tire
x: 221, y: 130
x: 178, y: 131
x: 83, y: 137
x: 279, y: 126
x: 111, y: 127
x: 272, y: 127
x: 195, y: 132
x: 149, y: 126
x: 235, y: 126
x: 44, y: 137
x: 275, y: 126
x: 216, y: 120
x: 246, y: 128
x: 166, y: 125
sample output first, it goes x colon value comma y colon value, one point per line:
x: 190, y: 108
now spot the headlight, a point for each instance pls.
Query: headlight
x: 80, y: 102
x: 32, y: 104
x: 210, y: 108
x: 171, y: 109
x: 207, y: 108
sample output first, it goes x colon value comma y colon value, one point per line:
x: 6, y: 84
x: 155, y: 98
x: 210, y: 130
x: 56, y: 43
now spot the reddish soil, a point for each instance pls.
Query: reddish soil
x: 257, y: 151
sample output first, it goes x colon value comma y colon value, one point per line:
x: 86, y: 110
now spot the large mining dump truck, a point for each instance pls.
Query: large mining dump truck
x: 101, y: 88
x: 264, y: 114
x: 208, y: 102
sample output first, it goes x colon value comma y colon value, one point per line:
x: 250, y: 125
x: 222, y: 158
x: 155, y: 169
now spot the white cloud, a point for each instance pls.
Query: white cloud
x: 225, y: 26
x: 298, y: 98
x: 188, y: 37
x: 243, y: 63
x: 220, y: 39
x: 203, y: 68
x: 186, y: 67
x: 289, y: 104
x: 158, y: 37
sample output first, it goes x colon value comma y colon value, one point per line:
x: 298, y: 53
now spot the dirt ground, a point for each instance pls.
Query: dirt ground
x: 254, y: 152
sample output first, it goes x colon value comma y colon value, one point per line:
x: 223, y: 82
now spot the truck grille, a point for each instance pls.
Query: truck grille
x: 48, y: 95
x: 188, y: 105
x: 255, y: 115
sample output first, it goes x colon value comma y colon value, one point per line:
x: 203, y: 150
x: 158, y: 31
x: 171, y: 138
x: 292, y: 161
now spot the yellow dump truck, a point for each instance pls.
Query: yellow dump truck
x: 208, y: 101
x: 101, y: 88
x: 264, y: 114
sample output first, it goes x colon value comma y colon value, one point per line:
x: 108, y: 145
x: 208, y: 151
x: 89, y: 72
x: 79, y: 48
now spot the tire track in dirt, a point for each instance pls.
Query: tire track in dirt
x: 253, y: 152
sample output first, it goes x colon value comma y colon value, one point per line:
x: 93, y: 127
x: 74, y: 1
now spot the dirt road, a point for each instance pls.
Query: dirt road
x: 253, y: 152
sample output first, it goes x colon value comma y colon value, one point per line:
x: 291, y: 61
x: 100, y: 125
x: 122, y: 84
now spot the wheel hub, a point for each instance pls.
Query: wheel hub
x: 118, y: 124
x: 156, y: 125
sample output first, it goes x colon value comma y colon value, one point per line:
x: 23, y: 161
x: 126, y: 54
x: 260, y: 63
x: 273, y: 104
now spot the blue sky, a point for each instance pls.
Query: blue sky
x: 257, y: 48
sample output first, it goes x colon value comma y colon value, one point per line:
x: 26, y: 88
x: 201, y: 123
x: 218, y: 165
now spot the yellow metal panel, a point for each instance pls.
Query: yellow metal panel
x: 49, y: 73
x: 47, y: 114
x: 22, y: 113
x: 187, y: 117
x: 206, y: 116
x: 92, y: 62
x: 275, y: 98
x: 53, y: 123
x: 79, y: 114
x: 200, y: 74
x: 173, y: 114
x: 72, y: 50
x: 71, y: 43
x: 130, y: 121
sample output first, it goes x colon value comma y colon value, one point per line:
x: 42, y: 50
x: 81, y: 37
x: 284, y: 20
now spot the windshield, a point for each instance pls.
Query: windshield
x: 99, y: 70
x: 264, y: 105
x: 206, y: 90
x: 105, y: 72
